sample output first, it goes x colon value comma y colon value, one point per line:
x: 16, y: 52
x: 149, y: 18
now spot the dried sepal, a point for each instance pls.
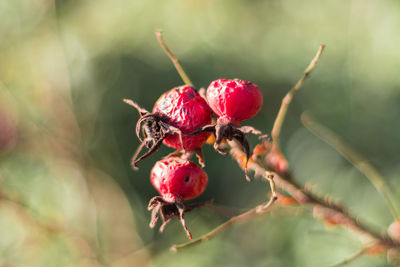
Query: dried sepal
x: 166, y: 210
x: 151, y: 129
x: 227, y: 131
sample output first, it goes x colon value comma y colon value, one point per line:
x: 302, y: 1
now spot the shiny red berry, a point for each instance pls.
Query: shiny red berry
x: 178, y: 179
x: 234, y: 100
x: 184, y: 108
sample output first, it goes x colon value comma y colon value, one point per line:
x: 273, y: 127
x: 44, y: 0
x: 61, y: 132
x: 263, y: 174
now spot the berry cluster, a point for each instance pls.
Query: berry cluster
x: 182, y: 119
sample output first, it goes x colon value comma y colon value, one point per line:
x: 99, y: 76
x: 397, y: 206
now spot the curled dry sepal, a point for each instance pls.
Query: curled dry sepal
x: 178, y: 111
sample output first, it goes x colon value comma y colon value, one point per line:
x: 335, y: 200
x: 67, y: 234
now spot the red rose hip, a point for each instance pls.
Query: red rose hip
x: 178, y: 111
x: 176, y: 180
x: 183, y: 108
x: 234, y: 100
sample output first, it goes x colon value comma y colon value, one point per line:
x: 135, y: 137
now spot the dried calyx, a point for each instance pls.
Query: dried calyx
x: 159, y: 207
x: 178, y: 111
x: 151, y: 129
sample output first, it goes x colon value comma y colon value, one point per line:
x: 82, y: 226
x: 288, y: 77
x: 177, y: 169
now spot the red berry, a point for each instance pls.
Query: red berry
x: 234, y: 100
x: 177, y: 179
x: 184, y: 108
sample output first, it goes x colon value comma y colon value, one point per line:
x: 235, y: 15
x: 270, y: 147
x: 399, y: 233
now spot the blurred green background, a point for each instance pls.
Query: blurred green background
x: 69, y: 196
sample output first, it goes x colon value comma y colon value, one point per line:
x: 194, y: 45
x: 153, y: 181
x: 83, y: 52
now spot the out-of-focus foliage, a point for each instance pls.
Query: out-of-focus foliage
x: 70, y: 197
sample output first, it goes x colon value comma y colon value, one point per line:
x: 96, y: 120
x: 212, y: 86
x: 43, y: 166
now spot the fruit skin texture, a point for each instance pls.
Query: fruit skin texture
x: 177, y: 179
x: 234, y: 100
x: 184, y: 108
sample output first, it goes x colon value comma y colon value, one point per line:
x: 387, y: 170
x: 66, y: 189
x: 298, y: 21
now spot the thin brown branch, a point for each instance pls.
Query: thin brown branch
x: 174, y: 59
x: 284, y: 180
x: 255, y: 212
x: 276, y: 129
x: 358, y: 161
x: 307, y: 197
x: 303, y: 196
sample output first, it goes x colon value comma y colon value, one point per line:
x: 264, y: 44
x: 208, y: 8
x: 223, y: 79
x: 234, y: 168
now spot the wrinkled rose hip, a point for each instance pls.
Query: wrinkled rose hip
x: 178, y: 111
x: 183, y: 108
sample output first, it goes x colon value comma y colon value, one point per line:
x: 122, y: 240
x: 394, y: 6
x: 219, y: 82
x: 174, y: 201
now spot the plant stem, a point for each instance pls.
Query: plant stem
x: 276, y: 129
x: 307, y: 197
x: 303, y: 196
x: 174, y: 59
x: 286, y: 182
x: 362, y: 164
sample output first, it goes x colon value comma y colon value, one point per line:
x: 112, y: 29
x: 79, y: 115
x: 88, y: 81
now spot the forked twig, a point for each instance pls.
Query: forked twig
x: 307, y: 197
x: 276, y: 129
x: 302, y: 195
